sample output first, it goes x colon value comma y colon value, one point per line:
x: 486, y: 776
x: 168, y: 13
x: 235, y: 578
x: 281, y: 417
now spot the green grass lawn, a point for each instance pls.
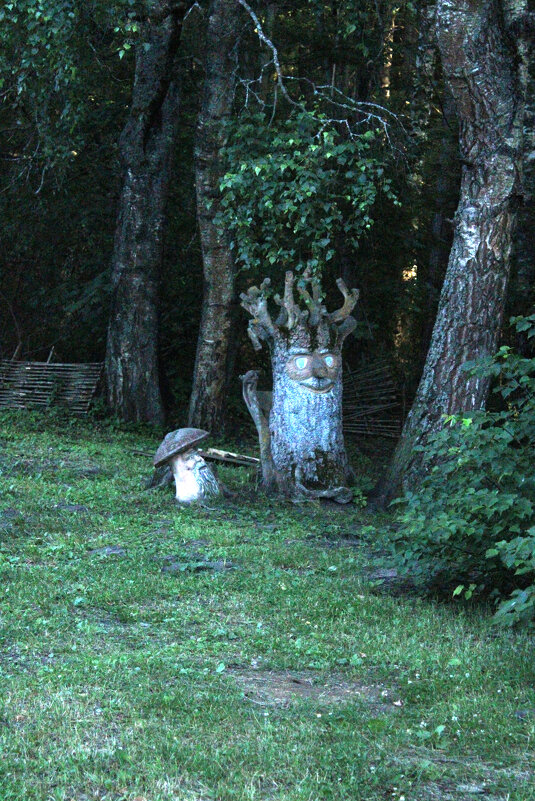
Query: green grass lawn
x: 131, y: 669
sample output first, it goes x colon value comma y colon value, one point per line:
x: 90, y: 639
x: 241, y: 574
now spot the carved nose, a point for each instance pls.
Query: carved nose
x: 319, y: 368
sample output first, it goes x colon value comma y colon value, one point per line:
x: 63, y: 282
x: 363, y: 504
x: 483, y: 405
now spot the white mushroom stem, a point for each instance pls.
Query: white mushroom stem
x: 186, y: 468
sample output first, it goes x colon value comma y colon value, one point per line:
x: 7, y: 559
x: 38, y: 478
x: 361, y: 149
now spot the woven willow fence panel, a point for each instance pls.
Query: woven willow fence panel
x: 42, y: 384
x: 371, y: 401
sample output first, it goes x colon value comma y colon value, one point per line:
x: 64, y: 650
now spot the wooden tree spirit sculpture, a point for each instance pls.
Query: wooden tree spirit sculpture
x: 302, y: 448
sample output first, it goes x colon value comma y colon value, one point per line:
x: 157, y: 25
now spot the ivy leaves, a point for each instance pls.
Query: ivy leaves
x: 291, y: 191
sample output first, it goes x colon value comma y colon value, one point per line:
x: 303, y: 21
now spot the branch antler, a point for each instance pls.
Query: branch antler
x: 313, y: 302
x: 255, y: 302
x: 343, y: 314
x: 292, y: 317
x: 350, y: 301
x: 291, y: 307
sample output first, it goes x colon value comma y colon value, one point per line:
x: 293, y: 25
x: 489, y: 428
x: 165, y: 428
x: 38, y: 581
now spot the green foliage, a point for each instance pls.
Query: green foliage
x: 37, y: 65
x: 359, y: 498
x: 293, y: 188
x: 65, y: 93
x: 48, y: 50
x: 472, y: 522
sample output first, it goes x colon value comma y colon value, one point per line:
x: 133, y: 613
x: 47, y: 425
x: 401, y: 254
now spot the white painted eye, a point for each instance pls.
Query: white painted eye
x: 329, y: 361
x: 301, y: 362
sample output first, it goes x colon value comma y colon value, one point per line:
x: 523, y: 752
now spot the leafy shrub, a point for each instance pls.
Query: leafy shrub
x: 470, y: 528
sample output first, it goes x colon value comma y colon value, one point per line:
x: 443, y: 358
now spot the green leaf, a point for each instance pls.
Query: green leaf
x: 422, y: 734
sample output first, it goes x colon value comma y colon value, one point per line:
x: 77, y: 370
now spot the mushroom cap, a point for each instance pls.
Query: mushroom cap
x: 178, y: 441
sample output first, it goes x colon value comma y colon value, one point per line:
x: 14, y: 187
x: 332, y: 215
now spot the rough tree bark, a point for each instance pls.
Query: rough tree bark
x: 446, y: 188
x: 146, y: 148
x: 302, y: 446
x: 207, y: 402
x: 485, y: 69
x: 524, y: 244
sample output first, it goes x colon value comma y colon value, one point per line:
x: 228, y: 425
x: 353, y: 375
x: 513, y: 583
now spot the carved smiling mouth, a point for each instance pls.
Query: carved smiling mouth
x: 318, y: 385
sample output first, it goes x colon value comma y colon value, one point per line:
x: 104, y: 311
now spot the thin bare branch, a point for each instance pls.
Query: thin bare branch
x: 263, y: 38
x: 194, y: 7
x: 355, y: 113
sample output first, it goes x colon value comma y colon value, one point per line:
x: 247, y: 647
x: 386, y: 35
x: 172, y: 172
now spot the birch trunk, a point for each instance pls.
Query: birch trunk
x: 487, y: 78
x: 446, y: 191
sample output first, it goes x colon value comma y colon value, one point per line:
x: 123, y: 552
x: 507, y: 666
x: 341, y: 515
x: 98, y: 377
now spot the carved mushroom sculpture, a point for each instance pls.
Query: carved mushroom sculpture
x: 194, y: 479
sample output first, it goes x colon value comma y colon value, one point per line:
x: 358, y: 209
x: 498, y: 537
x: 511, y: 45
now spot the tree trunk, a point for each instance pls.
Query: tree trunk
x: 446, y: 188
x: 146, y: 148
x: 207, y: 402
x: 302, y: 448
x: 307, y: 441
x: 486, y: 75
x: 523, y: 287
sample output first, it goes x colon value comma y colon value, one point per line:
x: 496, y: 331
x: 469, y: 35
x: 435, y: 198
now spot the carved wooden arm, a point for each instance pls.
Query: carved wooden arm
x: 250, y: 396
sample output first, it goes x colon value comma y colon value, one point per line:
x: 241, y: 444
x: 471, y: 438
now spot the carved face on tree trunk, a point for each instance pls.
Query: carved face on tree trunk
x: 303, y: 441
x: 316, y: 372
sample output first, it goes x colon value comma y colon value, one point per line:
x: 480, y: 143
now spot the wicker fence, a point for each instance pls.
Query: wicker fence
x: 43, y: 384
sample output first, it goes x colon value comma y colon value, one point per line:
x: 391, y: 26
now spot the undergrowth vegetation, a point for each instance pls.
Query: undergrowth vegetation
x: 251, y: 651
x: 470, y: 528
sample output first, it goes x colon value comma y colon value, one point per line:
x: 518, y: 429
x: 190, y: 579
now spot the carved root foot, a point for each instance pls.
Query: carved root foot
x: 338, y: 494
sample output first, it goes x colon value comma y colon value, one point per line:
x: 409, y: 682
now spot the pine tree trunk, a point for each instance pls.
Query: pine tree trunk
x: 487, y: 80
x: 146, y: 148
x: 207, y: 402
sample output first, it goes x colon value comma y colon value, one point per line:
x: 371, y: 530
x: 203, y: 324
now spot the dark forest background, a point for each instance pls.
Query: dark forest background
x: 297, y: 133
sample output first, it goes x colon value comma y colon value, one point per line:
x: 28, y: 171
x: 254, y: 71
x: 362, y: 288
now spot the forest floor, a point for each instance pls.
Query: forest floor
x: 245, y: 652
